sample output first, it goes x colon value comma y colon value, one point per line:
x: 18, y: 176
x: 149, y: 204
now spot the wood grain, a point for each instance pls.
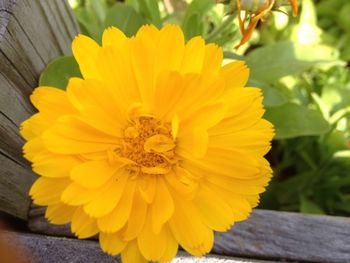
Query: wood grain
x: 32, y: 33
x: 265, y: 235
x: 46, y: 249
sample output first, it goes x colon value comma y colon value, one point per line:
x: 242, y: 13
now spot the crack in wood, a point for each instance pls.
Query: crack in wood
x: 15, y: 68
x: 30, y: 40
x: 6, y: 117
x: 13, y: 159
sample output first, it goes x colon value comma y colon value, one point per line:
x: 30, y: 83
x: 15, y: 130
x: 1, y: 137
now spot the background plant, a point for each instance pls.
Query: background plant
x: 301, y: 64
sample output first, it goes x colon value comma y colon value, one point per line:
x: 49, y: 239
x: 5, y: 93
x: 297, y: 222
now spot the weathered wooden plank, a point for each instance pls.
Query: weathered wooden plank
x: 46, y: 249
x: 6, y: 8
x: 265, y: 235
x: 31, y: 35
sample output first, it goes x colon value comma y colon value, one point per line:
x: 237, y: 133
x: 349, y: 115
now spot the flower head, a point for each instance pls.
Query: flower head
x: 158, y: 145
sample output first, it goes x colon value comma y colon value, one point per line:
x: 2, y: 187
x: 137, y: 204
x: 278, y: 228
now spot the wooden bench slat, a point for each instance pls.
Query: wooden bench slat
x: 31, y: 34
x: 266, y: 235
x: 46, y: 249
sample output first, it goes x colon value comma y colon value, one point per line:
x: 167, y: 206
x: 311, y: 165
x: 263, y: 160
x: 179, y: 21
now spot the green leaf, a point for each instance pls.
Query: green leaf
x: 125, y: 18
x: 149, y: 9
x: 233, y: 56
x: 272, y: 96
x: 193, y: 23
x: 193, y: 26
x: 292, y: 120
x: 344, y: 18
x: 309, y: 207
x: 88, y: 22
x: 59, y: 71
x: 91, y: 15
x: 270, y: 63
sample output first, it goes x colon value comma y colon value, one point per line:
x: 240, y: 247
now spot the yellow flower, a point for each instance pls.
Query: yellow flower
x: 157, y: 146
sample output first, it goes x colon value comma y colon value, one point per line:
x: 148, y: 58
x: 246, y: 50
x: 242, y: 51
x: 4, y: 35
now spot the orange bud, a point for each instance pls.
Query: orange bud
x: 294, y: 4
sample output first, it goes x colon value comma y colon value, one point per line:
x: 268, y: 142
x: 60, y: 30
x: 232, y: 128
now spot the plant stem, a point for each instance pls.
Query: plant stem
x: 219, y: 29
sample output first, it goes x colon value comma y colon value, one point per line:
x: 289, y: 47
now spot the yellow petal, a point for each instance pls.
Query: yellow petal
x: 98, y: 104
x: 132, y: 254
x: 162, y: 207
x: 32, y: 148
x: 52, y: 101
x: 118, y: 217
x: 143, y: 60
x: 175, y: 124
x: 47, y: 191
x: 193, y: 56
x: 85, y: 51
x: 94, y: 174
x: 76, y: 195
x: 72, y: 136
x: 149, y: 31
x: 240, y: 207
x: 82, y: 225
x: 187, y: 96
x: 256, y: 139
x: 189, y: 230
x: 60, y: 213
x: 168, y: 93
x: 112, y: 244
x: 112, y: 36
x: 253, y: 200
x: 235, y: 73
x: 147, y: 187
x: 194, y: 142
x: 182, y: 182
x: 225, y: 162
x: 159, y: 143
x: 171, y: 249
x: 214, y: 210
x: 170, y: 49
x: 26, y: 130
x: 35, y: 125
x: 154, y: 170
x: 137, y: 218
x: 109, y: 198
x: 240, y: 186
x: 152, y: 245
x: 117, y: 75
x: 244, y: 110
x: 205, y: 117
x: 48, y: 164
x: 212, y: 59
x: 251, y: 186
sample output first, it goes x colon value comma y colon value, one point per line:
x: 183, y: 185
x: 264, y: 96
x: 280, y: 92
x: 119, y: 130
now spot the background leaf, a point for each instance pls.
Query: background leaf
x: 309, y: 207
x: 272, y: 96
x: 91, y: 17
x: 270, y: 63
x: 292, y: 120
x: 193, y: 22
x: 149, y: 9
x: 125, y: 18
x: 59, y: 71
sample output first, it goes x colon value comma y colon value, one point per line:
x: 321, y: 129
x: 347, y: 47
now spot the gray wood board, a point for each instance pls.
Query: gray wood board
x: 46, y: 249
x: 32, y: 33
x: 265, y: 235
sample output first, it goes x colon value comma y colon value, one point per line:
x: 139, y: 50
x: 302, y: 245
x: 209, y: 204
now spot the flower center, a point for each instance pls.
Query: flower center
x: 149, y: 143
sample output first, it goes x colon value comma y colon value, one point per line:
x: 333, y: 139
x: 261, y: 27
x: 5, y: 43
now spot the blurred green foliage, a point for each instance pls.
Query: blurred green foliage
x: 299, y: 63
